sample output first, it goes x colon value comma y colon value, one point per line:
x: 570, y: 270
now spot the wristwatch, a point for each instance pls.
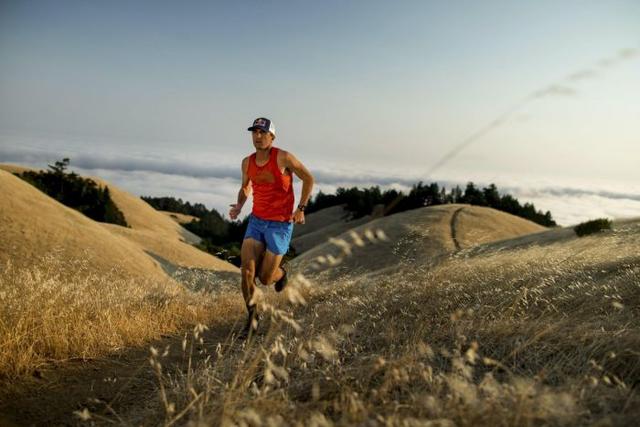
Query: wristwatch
x: 301, y: 208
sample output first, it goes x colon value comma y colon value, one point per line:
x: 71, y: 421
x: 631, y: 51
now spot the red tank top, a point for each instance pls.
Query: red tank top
x: 272, y: 190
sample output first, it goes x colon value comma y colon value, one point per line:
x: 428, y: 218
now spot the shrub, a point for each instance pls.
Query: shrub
x: 593, y: 226
x: 78, y: 193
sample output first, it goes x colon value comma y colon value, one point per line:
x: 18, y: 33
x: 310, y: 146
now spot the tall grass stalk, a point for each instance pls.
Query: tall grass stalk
x: 56, y: 310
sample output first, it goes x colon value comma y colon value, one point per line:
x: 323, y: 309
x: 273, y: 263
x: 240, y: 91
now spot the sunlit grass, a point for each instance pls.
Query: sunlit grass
x: 58, y: 310
x: 538, y: 335
x: 499, y: 335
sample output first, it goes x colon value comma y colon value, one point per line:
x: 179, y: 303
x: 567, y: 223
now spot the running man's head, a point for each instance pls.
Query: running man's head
x: 263, y: 132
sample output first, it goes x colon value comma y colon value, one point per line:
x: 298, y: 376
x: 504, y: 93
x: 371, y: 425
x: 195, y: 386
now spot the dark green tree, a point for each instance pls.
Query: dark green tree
x: 81, y: 194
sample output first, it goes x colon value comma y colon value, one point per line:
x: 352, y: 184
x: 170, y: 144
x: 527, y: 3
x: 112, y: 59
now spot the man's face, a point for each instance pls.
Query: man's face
x: 261, y: 139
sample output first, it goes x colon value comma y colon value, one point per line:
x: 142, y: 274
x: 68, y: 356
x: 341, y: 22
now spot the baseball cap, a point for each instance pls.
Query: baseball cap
x: 264, y: 124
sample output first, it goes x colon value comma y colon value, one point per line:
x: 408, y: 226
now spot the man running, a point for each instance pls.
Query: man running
x: 270, y: 171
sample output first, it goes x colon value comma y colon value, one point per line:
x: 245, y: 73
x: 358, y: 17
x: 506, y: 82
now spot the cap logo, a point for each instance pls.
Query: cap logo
x: 260, y: 122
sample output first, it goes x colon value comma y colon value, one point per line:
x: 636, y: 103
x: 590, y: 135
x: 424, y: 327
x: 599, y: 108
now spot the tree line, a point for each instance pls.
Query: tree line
x: 81, y: 194
x: 220, y: 237
x: 223, y: 238
x: 360, y: 202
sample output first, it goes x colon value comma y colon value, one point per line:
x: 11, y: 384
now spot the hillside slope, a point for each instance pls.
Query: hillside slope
x: 399, y: 240
x: 539, y: 329
x: 153, y: 231
x: 314, y: 238
x: 33, y: 225
x: 141, y: 216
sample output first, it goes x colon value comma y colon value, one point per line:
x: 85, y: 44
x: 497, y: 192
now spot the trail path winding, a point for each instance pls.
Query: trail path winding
x: 454, y: 219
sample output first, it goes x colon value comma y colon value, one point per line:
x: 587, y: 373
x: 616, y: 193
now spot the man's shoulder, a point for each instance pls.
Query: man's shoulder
x: 282, y: 153
x: 245, y: 162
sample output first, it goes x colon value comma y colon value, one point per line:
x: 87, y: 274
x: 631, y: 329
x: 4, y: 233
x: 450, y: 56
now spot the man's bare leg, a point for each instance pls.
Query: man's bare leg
x: 251, y: 254
x: 270, y: 270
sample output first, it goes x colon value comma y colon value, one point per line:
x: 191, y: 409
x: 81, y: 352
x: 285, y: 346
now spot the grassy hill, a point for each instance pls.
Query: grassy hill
x: 154, y: 232
x: 321, y: 225
x: 74, y: 287
x: 409, y: 238
x: 34, y: 226
x: 451, y: 315
x: 537, y: 330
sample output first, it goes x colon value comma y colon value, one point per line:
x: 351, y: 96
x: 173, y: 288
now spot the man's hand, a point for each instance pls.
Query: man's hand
x: 235, y: 211
x: 298, y: 217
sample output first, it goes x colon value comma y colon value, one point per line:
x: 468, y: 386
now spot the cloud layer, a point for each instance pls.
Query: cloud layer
x: 217, y: 185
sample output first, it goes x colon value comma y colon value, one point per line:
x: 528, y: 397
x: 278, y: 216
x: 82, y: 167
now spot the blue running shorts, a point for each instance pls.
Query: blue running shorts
x: 275, y: 235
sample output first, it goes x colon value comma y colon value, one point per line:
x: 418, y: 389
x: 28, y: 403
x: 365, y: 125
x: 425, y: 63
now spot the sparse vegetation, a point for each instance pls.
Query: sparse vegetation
x: 593, y: 226
x: 81, y: 194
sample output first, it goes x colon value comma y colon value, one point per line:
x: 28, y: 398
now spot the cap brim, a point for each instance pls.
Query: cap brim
x: 258, y: 127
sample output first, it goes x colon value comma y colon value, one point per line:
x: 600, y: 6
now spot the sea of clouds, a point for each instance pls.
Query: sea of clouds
x: 215, y: 182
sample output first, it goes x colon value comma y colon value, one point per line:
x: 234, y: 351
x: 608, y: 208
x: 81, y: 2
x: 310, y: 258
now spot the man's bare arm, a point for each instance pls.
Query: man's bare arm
x: 294, y: 165
x: 245, y: 190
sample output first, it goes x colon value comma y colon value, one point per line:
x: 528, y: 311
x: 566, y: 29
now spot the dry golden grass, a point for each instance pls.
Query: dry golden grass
x: 419, y: 235
x: 141, y: 216
x: 72, y: 287
x: 176, y: 252
x: 535, y: 335
x: 33, y: 225
x: 389, y: 325
x: 476, y: 225
x: 58, y: 310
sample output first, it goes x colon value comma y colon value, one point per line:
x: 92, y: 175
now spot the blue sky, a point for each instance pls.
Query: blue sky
x: 156, y: 96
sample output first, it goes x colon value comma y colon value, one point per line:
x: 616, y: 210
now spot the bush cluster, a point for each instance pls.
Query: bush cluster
x: 593, y: 226
x: 81, y: 194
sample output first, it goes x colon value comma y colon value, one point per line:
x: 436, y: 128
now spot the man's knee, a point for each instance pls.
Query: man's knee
x: 248, y: 270
x: 265, y: 278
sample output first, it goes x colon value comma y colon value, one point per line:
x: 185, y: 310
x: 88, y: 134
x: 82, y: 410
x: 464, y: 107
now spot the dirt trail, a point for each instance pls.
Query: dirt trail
x: 124, y: 380
x: 454, y: 218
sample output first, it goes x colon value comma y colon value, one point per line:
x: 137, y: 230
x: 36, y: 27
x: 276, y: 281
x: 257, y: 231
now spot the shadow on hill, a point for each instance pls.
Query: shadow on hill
x: 544, y: 238
x: 117, y: 385
x: 199, y: 279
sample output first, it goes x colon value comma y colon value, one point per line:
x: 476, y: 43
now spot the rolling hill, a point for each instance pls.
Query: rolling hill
x: 445, y: 315
x: 419, y: 235
x: 35, y: 226
x: 321, y: 225
x: 151, y: 231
